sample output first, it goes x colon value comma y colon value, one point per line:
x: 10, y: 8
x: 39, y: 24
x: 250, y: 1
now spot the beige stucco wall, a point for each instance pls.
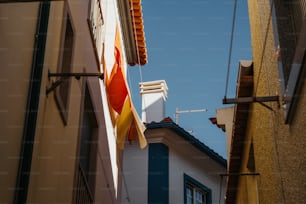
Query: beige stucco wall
x: 278, y: 148
x: 18, y: 26
x: 55, y: 157
x: 54, y: 152
x: 56, y: 147
x: 260, y: 126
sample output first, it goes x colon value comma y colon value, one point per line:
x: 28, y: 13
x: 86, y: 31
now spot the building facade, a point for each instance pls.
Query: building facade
x: 175, y: 167
x: 267, y: 154
x: 59, y: 143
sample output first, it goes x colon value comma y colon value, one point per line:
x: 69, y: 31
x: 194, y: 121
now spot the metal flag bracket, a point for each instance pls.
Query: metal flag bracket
x: 258, y: 99
x: 64, y: 76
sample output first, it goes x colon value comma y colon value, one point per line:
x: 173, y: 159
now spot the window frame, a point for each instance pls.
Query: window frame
x: 189, y: 181
x: 85, y: 177
x: 92, y: 146
x: 290, y: 88
x: 63, y: 106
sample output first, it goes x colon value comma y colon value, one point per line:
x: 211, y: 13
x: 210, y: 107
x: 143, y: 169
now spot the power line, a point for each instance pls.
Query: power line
x: 230, y: 48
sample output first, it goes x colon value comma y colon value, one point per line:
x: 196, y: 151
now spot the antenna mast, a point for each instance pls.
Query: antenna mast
x: 177, y: 111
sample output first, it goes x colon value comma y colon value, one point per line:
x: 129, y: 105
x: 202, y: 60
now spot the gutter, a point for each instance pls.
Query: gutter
x: 23, y: 175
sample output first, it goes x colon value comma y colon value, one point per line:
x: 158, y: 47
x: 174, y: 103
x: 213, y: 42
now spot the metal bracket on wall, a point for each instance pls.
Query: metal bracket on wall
x: 64, y: 76
x: 260, y: 100
x: 240, y: 174
x: 250, y: 99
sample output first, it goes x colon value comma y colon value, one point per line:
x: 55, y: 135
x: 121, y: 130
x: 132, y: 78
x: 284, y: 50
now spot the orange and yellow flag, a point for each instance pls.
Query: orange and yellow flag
x: 126, y: 119
x: 116, y: 87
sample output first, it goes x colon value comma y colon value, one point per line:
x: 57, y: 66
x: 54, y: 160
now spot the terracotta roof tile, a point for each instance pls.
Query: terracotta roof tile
x: 138, y: 29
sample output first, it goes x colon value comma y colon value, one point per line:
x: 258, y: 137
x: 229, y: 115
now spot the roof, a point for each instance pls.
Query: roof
x: 244, y: 89
x: 138, y: 28
x: 214, y: 121
x: 132, y: 24
x: 169, y: 124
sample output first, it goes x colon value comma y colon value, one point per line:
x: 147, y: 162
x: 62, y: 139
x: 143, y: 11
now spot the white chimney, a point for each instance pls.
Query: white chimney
x: 154, y: 94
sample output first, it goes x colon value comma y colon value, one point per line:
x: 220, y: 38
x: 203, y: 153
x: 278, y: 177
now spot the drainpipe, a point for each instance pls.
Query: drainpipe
x: 26, y: 152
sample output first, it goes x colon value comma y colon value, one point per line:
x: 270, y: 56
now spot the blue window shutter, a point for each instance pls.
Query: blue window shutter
x: 158, y: 175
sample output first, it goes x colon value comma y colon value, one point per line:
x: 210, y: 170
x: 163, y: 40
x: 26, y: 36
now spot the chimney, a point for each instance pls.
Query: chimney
x: 154, y: 94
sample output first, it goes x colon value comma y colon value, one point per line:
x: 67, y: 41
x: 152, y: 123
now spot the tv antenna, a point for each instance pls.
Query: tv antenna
x: 177, y: 112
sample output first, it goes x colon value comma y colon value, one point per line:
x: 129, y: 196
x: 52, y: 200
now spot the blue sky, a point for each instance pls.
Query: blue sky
x: 188, y: 47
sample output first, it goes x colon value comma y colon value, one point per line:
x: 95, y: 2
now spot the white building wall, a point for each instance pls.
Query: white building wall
x: 225, y: 116
x: 135, y: 175
x: 111, y: 20
x: 197, y: 165
x: 183, y: 159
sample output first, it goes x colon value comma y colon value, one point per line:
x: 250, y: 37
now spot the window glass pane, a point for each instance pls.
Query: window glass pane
x: 288, y: 25
x: 200, y: 197
x: 189, y: 195
x: 88, y: 143
x: 288, y: 22
x: 96, y: 24
x: 195, y: 192
x: 66, y: 61
x: 65, y: 66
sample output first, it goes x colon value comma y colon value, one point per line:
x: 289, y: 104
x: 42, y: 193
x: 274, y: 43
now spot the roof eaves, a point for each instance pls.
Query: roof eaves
x: 133, y: 31
x: 138, y: 31
x: 244, y: 89
x: 187, y: 136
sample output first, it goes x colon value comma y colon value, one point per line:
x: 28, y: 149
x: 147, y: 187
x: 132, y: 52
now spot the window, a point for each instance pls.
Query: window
x: 195, y: 192
x: 88, y: 145
x: 88, y: 152
x: 289, y: 28
x: 65, y: 66
x: 96, y: 22
x: 195, y: 195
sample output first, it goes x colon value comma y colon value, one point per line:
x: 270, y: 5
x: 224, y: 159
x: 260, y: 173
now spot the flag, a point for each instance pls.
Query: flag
x: 116, y: 86
x: 129, y: 125
x: 140, y: 127
x: 126, y: 120
x: 124, y: 123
